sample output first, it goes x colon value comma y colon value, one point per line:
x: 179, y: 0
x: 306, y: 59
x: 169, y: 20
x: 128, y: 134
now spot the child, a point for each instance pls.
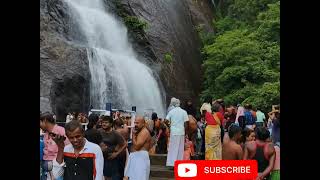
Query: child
x: 188, y: 149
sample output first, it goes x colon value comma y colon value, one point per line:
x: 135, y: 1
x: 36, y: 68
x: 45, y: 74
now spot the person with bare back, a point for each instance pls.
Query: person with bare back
x: 138, y: 165
x: 231, y: 150
x: 262, y: 151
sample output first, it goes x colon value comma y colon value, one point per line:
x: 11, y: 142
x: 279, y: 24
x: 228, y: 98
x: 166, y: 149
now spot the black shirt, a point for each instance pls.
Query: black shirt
x: 93, y: 135
x: 111, y: 139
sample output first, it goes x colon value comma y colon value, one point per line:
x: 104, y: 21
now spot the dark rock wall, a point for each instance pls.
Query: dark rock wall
x: 64, y: 69
x: 172, y: 29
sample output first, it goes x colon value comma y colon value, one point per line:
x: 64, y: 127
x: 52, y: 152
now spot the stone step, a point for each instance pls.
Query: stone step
x: 158, y: 159
x: 161, y: 172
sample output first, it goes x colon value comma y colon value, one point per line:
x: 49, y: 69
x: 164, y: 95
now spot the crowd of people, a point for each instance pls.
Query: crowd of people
x: 105, y: 149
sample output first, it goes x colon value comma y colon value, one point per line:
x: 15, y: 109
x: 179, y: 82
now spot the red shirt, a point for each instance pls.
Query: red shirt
x: 210, y: 118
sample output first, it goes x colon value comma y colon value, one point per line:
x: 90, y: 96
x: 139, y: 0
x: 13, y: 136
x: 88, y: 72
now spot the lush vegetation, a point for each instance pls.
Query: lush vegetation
x: 242, y: 58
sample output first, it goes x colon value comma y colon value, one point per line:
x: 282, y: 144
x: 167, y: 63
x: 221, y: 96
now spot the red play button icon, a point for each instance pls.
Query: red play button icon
x: 187, y: 170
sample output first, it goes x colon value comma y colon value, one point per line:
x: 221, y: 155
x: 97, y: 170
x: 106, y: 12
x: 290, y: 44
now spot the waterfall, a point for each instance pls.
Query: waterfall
x: 117, y: 76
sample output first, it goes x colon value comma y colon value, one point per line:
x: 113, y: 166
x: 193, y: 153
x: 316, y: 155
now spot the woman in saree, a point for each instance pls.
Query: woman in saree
x: 213, y: 144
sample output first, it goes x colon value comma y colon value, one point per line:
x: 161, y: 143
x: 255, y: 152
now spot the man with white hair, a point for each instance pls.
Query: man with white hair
x: 171, y: 106
x: 177, y: 118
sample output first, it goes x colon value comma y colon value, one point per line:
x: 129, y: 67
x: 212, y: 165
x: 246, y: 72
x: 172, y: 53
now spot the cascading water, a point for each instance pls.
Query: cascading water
x: 116, y: 74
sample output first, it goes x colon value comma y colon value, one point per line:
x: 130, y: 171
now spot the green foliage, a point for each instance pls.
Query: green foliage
x: 269, y: 23
x: 206, y: 38
x: 242, y: 60
x: 168, y: 57
x: 248, y: 10
x: 134, y: 23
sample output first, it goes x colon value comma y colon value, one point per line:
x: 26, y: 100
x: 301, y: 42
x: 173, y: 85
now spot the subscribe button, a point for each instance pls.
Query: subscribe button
x: 217, y: 169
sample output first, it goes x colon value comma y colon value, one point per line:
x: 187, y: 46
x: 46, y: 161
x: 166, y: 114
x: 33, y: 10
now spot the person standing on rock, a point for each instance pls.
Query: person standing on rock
x: 178, y: 118
x: 138, y: 165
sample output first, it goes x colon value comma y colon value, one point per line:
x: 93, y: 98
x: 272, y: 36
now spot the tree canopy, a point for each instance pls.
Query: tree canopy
x: 242, y: 58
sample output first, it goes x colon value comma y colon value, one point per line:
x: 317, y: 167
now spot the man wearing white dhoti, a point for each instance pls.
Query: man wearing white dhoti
x: 138, y: 165
x: 177, y: 118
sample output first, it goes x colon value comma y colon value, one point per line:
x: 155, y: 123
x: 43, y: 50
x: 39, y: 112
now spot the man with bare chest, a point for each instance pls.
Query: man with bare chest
x: 138, y: 166
x: 262, y: 151
x: 231, y: 150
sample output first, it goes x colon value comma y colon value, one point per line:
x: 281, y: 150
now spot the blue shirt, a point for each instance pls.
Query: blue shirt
x: 41, y: 147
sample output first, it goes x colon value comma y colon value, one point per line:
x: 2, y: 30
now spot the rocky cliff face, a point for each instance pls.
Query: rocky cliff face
x: 172, y: 30
x: 64, y: 71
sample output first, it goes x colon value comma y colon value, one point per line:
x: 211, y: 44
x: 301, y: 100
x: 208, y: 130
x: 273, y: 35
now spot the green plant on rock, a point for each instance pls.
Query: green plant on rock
x: 134, y: 23
x: 168, y: 57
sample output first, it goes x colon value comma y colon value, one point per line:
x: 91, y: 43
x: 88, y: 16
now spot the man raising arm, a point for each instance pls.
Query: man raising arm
x: 79, y: 160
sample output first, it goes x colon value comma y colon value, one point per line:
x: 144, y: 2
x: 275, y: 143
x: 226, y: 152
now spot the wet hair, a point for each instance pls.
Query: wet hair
x: 233, y: 130
x: 215, y: 107
x: 73, y: 125
x: 48, y: 117
x: 246, y: 133
x: 107, y: 118
x: 154, y: 116
x: 262, y: 133
x: 93, y: 119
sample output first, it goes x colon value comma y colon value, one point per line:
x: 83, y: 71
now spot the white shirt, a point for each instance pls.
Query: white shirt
x: 177, y: 117
x: 89, y: 147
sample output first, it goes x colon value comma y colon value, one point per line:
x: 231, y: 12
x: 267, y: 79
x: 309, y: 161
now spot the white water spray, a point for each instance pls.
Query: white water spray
x: 116, y: 74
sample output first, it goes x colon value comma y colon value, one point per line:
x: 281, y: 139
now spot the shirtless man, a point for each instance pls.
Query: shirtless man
x: 261, y: 150
x: 138, y: 166
x: 122, y: 128
x: 231, y: 150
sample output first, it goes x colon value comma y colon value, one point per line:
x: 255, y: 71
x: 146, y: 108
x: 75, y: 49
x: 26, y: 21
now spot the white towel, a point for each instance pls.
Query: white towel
x: 138, y: 166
